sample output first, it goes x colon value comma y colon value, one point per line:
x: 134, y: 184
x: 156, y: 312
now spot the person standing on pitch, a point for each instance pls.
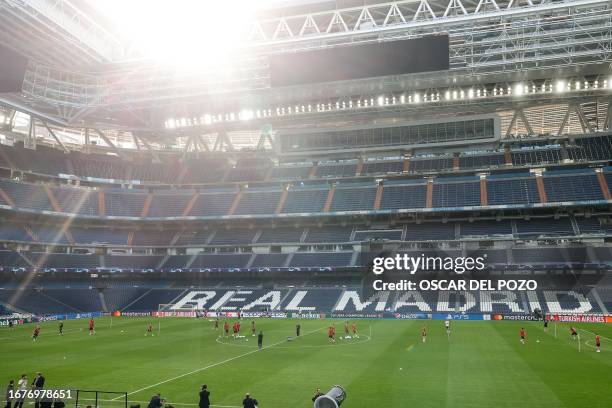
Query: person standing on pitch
x: 10, y: 391
x: 260, y: 340
x: 204, y: 397
x: 318, y: 393
x: 298, y: 328
x: 156, y: 401
x: 38, y: 384
x: 22, y: 387
x: 249, y: 402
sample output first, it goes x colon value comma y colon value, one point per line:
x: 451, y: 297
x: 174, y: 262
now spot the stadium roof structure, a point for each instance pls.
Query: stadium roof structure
x: 83, y: 73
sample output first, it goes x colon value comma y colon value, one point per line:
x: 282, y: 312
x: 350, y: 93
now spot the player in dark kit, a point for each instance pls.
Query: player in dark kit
x: 216, y: 323
x: 573, y: 333
x: 35, y: 333
x: 298, y: 328
x: 260, y: 340
x: 523, y: 335
x: 545, y: 325
x: 346, y: 328
x: 61, y: 329
x: 252, y: 328
x: 597, y: 343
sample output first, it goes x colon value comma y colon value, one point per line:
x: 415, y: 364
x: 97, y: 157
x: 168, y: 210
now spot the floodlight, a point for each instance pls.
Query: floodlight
x: 381, y: 100
x: 560, y: 86
x: 447, y: 95
x: 518, y: 89
x: 470, y: 93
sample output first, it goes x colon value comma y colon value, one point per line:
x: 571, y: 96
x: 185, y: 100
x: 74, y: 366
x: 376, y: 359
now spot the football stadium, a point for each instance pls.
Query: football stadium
x: 305, y: 203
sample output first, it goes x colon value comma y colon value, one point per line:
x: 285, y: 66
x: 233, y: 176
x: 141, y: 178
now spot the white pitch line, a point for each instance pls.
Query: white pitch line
x: 214, y: 365
x: 588, y: 331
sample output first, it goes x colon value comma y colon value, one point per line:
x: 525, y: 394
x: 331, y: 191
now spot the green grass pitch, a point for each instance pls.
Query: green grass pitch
x: 483, y: 364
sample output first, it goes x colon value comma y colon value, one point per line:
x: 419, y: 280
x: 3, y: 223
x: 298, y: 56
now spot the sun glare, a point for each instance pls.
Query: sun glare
x: 185, y: 33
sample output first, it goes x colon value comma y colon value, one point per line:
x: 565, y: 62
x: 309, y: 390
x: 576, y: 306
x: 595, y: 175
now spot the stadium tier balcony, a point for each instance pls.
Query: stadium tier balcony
x: 482, y: 161
x: 280, y: 235
x: 399, y: 194
x: 544, y: 227
x: 26, y: 195
x: 234, y: 236
x: 107, y: 236
x: 172, y: 170
x: 329, y: 234
x: 384, y: 167
x: 321, y: 259
x: 428, y: 165
x: 300, y: 172
x: 354, y: 197
x: 170, y: 203
x: 336, y: 170
x: 537, y: 156
x: 430, y: 232
x: 214, y: 202
x: 223, y: 261
x: 120, y: 203
x: 572, y: 186
x: 506, y: 189
x: 269, y: 260
x: 485, y: 229
x: 76, y: 200
x: 258, y: 201
x: 451, y: 193
x: 306, y: 199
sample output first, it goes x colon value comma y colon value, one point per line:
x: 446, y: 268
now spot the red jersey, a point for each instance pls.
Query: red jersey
x: 36, y: 331
x: 597, y: 340
x: 91, y: 324
x: 330, y: 331
x: 573, y: 331
x: 226, y: 326
x: 522, y: 332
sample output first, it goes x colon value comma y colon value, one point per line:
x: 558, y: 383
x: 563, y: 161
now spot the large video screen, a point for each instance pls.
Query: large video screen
x: 360, y: 61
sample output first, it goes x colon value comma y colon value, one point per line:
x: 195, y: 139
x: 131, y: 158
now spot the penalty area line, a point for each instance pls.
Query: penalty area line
x: 213, y: 365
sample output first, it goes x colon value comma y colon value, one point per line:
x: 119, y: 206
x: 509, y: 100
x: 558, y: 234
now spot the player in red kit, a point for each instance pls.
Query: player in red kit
x: 523, y: 335
x: 35, y: 333
x: 355, y: 333
x: 598, y: 343
x: 331, y: 334
x: 226, y: 328
x: 91, y: 327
